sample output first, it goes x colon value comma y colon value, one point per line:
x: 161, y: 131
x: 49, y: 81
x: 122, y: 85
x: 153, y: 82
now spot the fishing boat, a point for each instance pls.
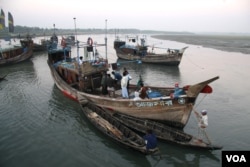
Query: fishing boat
x: 70, y: 75
x: 131, y: 49
x: 115, y: 130
x: 41, y: 46
x: 13, y: 54
x: 82, y: 82
x: 164, y: 132
x: 161, y: 105
x: 70, y: 40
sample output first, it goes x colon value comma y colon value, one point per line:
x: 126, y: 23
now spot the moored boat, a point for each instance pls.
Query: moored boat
x: 165, y: 133
x: 139, y: 51
x: 82, y: 82
x: 15, y: 54
x: 115, y: 130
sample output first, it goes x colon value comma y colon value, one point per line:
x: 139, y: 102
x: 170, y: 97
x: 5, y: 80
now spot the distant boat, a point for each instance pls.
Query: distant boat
x: 70, y: 40
x: 14, y: 54
x: 41, y: 46
x: 130, y: 49
x: 115, y: 130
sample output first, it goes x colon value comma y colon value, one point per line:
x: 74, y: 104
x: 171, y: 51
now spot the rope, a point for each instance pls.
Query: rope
x: 193, y: 62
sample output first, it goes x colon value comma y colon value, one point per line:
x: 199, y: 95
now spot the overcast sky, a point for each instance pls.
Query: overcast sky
x: 165, y: 15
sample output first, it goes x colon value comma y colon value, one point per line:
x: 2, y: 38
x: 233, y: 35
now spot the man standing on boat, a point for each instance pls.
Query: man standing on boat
x: 202, y: 123
x: 129, y: 77
x: 104, y: 84
x: 124, y: 83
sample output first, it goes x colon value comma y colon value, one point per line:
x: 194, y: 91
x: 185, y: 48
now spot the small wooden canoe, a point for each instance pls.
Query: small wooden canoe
x: 165, y: 132
x: 114, y: 129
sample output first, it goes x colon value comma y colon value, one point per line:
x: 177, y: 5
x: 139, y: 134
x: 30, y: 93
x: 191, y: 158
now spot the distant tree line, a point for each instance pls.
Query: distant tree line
x: 21, y: 31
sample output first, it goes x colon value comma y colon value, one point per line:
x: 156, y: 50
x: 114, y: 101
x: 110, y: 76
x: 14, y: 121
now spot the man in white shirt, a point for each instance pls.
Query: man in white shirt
x: 124, y: 83
x: 202, y: 123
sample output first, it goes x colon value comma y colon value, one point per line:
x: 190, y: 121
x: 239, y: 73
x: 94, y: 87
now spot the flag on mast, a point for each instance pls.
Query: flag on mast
x: 2, y: 20
x: 11, y: 22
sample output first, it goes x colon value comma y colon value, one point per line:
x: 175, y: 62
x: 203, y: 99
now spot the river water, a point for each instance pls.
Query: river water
x: 40, y: 127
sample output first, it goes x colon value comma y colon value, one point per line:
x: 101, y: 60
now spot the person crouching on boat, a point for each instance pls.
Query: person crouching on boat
x: 143, y: 92
x: 150, y: 140
x: 177, y: 91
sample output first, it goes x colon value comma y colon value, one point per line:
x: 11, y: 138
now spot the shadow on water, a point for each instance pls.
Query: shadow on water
x: 175, y: 155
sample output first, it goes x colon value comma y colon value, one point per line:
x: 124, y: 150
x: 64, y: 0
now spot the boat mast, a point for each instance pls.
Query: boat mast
x: 77, y: 45
x: 75, y: 29
x: 106, y: 40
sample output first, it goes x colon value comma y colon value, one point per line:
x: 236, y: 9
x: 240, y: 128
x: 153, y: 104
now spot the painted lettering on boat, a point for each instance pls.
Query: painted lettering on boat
x: 152, y: 104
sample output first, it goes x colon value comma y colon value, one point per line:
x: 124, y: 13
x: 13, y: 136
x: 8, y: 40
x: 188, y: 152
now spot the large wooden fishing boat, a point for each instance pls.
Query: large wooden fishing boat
x: 115, y: 130
x: 15, y: 54
x: 165, y: 132
x: 82, y: 82
x: 134, y: 51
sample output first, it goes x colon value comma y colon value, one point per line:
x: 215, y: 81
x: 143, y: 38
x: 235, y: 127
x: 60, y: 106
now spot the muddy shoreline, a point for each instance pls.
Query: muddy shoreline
x: 226, y: 43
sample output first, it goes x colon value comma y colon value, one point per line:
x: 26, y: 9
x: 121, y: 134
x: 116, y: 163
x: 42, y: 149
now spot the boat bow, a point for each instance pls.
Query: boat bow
x: 194, y: 90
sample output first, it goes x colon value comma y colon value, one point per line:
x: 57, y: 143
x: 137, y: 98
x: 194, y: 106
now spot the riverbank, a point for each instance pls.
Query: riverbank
x: 230, y: 43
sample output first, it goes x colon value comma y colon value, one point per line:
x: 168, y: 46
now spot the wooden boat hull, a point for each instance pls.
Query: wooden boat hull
x: 39, y: 47
x: 164, y: 132
x: 17, y: 54
x: 172, y: 58
x: 115, y: 130
x: 164, y: 59
x: 174, y: 112
x: 65, y: 88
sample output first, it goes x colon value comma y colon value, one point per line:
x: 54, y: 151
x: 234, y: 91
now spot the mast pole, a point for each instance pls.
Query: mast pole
x: 75, y: 29
x: 106, y: 43
x: 77, y: 45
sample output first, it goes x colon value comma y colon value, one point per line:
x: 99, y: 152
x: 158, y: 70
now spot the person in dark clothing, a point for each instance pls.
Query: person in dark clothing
x: 104, y: 84
x: 110, y: 84
x: 117, y: 76
x: 150, y: 140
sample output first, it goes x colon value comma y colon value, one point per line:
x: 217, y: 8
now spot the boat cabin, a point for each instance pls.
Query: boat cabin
x: 84, y: 75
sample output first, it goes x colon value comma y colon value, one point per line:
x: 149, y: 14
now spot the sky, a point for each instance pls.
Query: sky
x: 163, y: 15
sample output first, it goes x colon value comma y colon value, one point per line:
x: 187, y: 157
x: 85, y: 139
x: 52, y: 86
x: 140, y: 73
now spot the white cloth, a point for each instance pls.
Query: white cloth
x: 124, y: 81
x: 204, y: 121
x: 137, y: 96
x: 124, y: 92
